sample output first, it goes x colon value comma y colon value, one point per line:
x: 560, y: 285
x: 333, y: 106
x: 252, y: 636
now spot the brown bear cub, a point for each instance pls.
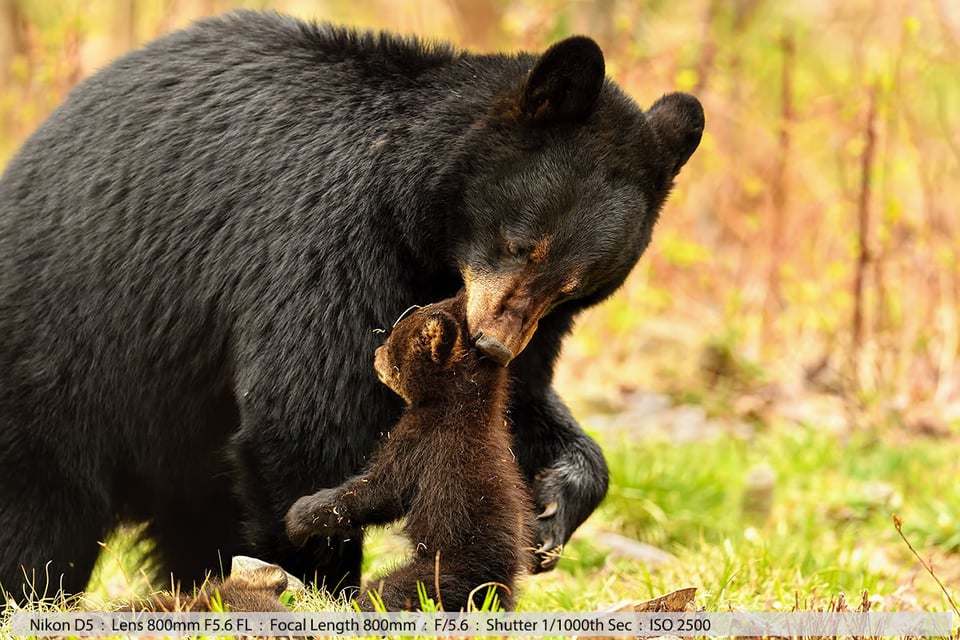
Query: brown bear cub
x: 447, y: 465
x: 252, y: 585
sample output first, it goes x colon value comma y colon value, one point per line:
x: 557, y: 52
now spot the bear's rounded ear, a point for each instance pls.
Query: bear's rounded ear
x: 565, y: 82
x: 677, y: 120
x: 439, y: 336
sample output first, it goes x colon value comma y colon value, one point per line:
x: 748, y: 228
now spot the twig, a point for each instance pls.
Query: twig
x: 898, y: 523
x: 436, y: 572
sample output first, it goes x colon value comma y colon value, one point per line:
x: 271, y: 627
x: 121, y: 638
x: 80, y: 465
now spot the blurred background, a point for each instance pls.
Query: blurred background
x: 794, y: 323
x: 811, y: 241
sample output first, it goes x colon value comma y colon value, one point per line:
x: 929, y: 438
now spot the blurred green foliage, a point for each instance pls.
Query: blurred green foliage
x: 761, y: 232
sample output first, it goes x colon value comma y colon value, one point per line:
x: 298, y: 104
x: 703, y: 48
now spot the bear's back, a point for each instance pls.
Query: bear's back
x: 179, y: 198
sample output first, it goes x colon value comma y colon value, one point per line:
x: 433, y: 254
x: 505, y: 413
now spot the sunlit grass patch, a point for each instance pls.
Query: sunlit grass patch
x: 824, y: 528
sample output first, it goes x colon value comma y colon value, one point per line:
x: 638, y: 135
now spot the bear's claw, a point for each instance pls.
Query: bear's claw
x: 548, y: 510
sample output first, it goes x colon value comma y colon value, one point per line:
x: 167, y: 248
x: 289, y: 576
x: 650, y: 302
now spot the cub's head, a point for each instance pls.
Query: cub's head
x: 562, y: 181
x: 428, y: 352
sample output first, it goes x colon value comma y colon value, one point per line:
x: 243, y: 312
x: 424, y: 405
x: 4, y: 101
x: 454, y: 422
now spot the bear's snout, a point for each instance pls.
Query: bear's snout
x: 492, y: 348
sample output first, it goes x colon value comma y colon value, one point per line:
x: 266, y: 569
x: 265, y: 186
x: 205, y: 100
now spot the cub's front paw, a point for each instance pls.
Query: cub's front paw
x: 319, y: 514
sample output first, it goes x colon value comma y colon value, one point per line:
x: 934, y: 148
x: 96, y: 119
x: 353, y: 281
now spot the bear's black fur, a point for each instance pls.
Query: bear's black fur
x: 196, y: 246
x: 447, y: 466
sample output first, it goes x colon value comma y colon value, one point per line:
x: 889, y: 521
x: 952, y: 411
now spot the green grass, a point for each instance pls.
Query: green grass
x: 826, y: 530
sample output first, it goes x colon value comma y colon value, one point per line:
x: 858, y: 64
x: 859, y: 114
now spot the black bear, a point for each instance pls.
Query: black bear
x: 196, y: 246
x: 447, y: 466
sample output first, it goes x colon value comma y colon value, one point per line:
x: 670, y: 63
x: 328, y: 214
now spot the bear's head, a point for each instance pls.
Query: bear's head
x: 561, y: 182
x: 428, y: 356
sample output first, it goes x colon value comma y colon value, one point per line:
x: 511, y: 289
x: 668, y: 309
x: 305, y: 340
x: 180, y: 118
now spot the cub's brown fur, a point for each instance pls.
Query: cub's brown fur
x: 253, y: 589
x: 447, y: 465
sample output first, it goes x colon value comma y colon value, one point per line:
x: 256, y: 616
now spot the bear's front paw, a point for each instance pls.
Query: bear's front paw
x: 565, y: 494
x: 563, y: 497
x: 550, y: 531
x: 320, y: 514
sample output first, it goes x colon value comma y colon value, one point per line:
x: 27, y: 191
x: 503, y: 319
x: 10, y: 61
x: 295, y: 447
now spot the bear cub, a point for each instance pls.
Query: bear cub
x: 447, y: 465
x: 253, y: 585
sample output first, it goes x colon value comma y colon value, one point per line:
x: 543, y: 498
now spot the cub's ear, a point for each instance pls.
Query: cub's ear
x: 565, y: 82
x: 438, y: 336
x: 677, y: 120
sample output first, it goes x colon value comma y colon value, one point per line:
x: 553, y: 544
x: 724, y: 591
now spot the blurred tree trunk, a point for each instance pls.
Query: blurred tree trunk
x: 213, y: 7
x: 600, y: 21
x: 864, y: 254
x: 479, y: 22
x: 773, y: 300
x: 709, y: 47
x: 12, y: 42
x: 126, y: 29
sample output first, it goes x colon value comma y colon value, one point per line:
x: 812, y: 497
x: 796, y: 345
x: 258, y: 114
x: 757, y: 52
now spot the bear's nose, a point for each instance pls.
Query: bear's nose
x: 494, y: 349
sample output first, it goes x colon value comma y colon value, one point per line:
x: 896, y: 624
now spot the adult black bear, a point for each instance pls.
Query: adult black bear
x: 447, y: 466
x: 196, y: 246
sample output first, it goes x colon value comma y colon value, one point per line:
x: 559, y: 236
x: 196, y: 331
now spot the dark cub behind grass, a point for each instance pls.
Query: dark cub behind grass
x: 447, y: 465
